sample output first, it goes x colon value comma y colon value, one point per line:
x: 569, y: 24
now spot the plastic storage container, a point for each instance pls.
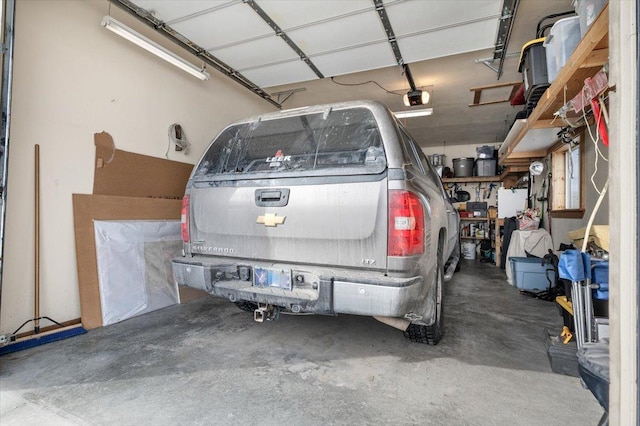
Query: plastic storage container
x: 588, y: 11
x: 486, y: 167
x: 600, y: 272
x: 486, y: 151
x: 562, y: 358
x: 562, y: 40
x: 463, y: 167
x: 529, y: 274
x: 600, y: 276
x: 436, y: 159
x: 479, y: 208
x: 533, y: 66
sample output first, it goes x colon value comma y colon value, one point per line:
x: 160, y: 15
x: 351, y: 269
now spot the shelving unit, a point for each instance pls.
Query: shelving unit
x: 484, y: 220
x: 534, y: 137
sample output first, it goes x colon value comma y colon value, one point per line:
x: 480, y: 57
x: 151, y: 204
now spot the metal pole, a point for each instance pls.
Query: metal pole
x: 577, y: 321
x: 588, y: 309
x: 637, y: 277
x: 36, y: 298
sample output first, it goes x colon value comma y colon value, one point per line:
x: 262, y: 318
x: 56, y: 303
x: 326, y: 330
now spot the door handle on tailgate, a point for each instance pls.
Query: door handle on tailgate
x: 272, y: 197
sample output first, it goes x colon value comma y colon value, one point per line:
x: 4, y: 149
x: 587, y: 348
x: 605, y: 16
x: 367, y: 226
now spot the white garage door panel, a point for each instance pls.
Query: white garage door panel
x: 275, y: 75
x: 353, y: 60
x: 340, y: 33
x: 447, y: 42
x: 168, y: 11
x: 257, y: 53
x: 290, y: 14
x: 226, y: 26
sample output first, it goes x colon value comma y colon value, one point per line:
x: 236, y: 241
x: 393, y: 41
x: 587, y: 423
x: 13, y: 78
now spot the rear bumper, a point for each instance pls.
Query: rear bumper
x: 315, y: 289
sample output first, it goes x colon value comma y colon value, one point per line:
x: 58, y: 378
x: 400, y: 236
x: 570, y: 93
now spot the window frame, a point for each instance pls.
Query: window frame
x: 558, y: 179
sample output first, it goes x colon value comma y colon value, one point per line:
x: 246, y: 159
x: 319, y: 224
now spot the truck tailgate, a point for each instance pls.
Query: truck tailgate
x: 331, y: 224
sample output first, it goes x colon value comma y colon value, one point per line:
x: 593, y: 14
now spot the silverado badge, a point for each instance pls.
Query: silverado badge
x: 270, y: 219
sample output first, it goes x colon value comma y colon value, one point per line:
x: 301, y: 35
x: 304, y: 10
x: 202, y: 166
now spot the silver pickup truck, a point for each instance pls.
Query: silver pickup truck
x: 330, y: 209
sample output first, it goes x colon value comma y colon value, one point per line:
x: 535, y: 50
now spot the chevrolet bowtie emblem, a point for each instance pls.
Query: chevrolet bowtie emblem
x: 270, y: 219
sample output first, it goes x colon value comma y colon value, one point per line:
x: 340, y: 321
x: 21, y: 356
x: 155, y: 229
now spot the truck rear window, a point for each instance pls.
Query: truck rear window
x: 345, y: 139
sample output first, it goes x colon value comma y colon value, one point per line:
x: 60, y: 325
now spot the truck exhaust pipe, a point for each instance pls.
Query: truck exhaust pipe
x: 266, y: 312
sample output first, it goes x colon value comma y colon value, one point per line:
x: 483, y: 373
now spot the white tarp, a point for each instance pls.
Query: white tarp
x: 134, y: 266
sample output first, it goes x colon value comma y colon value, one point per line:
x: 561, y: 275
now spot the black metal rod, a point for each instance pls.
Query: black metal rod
x: 7, y: 82
x: 283, y: 35
x: 409, y: 76
x: 505, y: 42
x: 391, y: 36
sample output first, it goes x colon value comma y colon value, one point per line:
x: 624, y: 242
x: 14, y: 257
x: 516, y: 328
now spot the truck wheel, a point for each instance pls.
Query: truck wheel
x: 459, y: 255
x: 431, y: 334
x: 246, y: 306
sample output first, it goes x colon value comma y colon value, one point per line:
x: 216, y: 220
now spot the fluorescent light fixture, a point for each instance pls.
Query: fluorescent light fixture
x: 413, y: 113
x: 122, y: 30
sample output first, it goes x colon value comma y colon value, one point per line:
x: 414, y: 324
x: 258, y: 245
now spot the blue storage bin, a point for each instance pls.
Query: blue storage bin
x: 602, y: 293
x: 529, y: 274
x: 600, y: 272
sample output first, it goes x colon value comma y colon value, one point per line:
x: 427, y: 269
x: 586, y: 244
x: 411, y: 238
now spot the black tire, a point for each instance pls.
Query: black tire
x: 246, y: 306
x: 459, y: 256
x: 431, y: 334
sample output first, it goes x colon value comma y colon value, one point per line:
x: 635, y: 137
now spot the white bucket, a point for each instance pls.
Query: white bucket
x: 469, y: 250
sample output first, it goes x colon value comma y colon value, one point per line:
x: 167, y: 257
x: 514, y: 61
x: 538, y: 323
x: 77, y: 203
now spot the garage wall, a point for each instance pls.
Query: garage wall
x: 461, y: 151
x: 73, y: 78
x: 559, y: 227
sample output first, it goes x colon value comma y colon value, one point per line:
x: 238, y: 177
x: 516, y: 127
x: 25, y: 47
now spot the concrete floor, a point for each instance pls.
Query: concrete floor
x: 206, y: 362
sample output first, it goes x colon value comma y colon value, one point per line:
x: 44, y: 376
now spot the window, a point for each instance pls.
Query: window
x: 346, y: 139
x: 411, y: 152
x: 567, y: 184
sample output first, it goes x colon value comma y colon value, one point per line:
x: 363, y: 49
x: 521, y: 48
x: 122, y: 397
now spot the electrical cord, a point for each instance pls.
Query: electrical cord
x: 595, y: 141
x: 366, y: 82
x: 178, y: 138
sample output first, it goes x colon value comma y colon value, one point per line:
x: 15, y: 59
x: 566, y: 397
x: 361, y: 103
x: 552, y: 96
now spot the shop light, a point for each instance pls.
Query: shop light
x: 122, y: 30
x: 413, y: 113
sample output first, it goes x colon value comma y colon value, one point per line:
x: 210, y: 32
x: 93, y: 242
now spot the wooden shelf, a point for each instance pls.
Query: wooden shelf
x: 478, y: 219
x: 587, y: 59
x: 509, y: 173
x: 472, y: 179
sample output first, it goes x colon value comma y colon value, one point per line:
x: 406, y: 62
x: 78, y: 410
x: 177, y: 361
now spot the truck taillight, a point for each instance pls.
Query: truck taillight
x: 406, y: 224
x: 184, y: 219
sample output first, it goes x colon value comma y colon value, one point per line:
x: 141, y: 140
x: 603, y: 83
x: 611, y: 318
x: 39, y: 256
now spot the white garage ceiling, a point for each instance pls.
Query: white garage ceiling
x: 289, y: 51
x: 339, y: 37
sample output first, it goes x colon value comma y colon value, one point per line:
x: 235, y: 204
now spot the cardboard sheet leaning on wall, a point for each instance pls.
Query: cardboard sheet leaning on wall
x: 126, y: 186
x: 86, y: 209
x: 134, y: 267
x: 124, y: 173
